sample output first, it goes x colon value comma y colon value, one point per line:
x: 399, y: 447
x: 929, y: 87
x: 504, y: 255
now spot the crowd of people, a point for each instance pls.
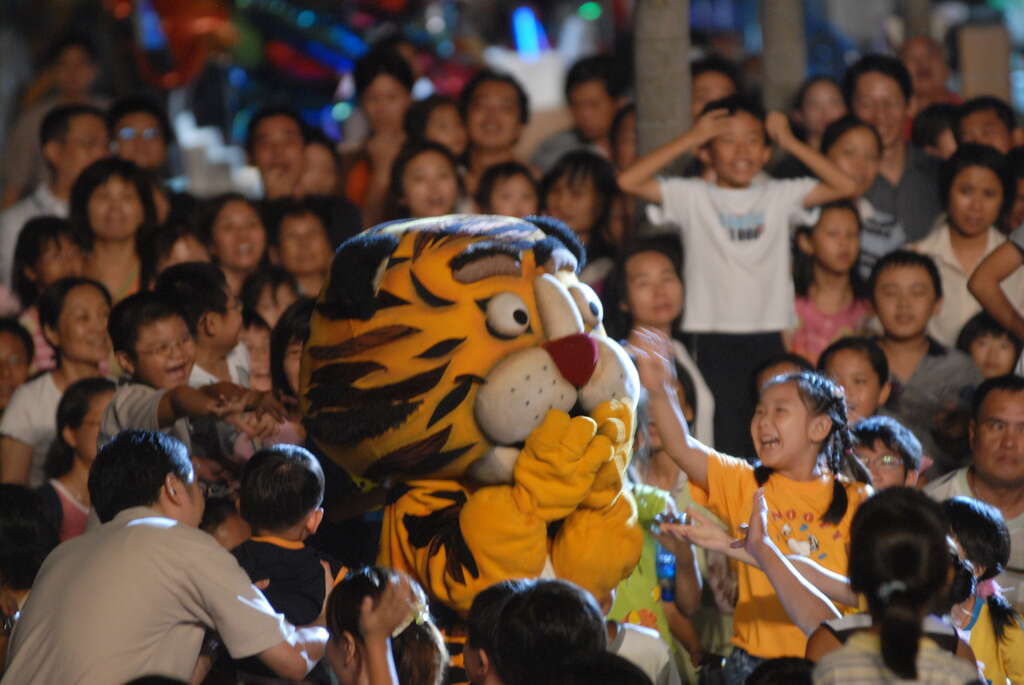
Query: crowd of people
x: 832, y: 295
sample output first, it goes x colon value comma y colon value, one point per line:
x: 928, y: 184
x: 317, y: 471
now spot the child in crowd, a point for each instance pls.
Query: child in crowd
x: 508, y: 189
x: 987, y: 120
x: 931, y: 384
x: 155, y: 348
x: 977, y: 190
x: 73, y: 313
x: 711, y: 78
x: 890, y: 452
x: 66, y: 492
x: 994, y: 627
x: 994, y: 349
x: 175, y: 243
x: 579, y: 190
x: 817, y: 104
x: 932, y: 130
x: 437, y: 119
x: 256, y: 338
x: 904, y: 525
x: 425, y: 182
x: 646, y: 291
x: 282, y: 490
x: 47, y: 251
x: 643, y: 646
x: 736, y: 243
x: 300, y: 243
x: 828, y: 302
x: 286, y: 342
x: 235, y: 236
x: 222, y: 520
x: 321, y: 169
x: 16, y: 350
x: 482, y: 629
x: 802, y: 439
x: 370, y: 608
x: 859, y: 367
x: 269, y: 292
x: 779, y: 365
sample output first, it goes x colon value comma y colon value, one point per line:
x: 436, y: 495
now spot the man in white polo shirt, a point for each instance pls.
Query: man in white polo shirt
x: 135, y: 596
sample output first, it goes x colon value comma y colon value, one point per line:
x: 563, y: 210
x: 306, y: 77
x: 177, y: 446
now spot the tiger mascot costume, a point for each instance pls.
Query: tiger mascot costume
x: 460, y: 360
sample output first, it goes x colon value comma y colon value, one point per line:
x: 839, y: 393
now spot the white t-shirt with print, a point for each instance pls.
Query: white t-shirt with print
x: 31, y: 418
x: 737, y: 252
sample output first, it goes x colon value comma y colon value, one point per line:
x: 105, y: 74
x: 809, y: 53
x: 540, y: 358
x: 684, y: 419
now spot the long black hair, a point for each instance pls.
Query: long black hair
x: 71, y: 411
x: 822, y: 397
x: 582, y: 166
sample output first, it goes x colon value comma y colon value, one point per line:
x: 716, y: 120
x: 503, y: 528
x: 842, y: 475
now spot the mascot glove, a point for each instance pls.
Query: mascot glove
x: 557, y: 465
x: 616, y: 420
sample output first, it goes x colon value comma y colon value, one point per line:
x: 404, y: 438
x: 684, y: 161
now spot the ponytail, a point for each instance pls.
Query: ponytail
x: 1002, y: 613
x: 900, y: 629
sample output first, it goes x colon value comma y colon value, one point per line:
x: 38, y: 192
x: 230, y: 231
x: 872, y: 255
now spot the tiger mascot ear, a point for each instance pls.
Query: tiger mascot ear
x: 353, y: 291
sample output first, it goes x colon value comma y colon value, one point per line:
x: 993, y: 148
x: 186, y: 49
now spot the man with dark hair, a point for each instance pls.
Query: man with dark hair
x: 71, y: 137
x: 995, y: 474
x: 137, y: 595
x: 276, y: 144
x: 878, y: 89
x: 593, y: 89
x: 495, y: 108
x: 141, y: 132
x: 482, y: 630
x: 987, y: 120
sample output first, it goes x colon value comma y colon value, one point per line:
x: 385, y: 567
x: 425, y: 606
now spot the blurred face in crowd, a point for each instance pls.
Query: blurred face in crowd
x: 886, y: 466
x: 857, y: 154
x: 994, y: 355
x: 14, y: 365
x: 257, y: 342
x: 84, y: 438
x: 975, y: 199
x: 238, y: 238
x: 385, y: 101
x: 822, y: 104
x: 273, y: 301
x: 865, y: 393
x: 654, y: 290
x: 430, y: 185
x: 278, y: 151
x: 164, y: 353
x: 834, y: 242
x: 115, y: 210
x: 739, y: 153
x: 923, y: 58
x: 302, y: 246
x: 225, y: 327
x: 574, y: 201
x: 81, y: 334
x: 187, y: 248
x: 986, y: 128
x: 878, y: 100
x: 514, y: 196
x: 85, y: 142
x: 140, y: 139
x: 445, y: 127
x: 59, y: 259
x: 593, y: 109
x: 319, y: 172
x: 493, y: 119
x: 708, y: 87
x: 779, y: 369
x: 997, y: 440
x: 292, y: 364
x: 74, y: 72
x: 905, y: 299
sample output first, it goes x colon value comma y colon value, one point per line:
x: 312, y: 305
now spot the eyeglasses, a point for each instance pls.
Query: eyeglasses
x: 129, y: 133
x: 165, y: 349
x: 884, y: 461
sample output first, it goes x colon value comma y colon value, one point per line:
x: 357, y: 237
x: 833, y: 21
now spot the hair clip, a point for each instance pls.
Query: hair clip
x: 419, y: 615
x: 886, y: 589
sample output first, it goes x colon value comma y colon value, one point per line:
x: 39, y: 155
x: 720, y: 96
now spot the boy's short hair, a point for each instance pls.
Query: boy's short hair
x: 497, y: 173
x: 737, y: 103
x: 130, y: 470
x: 197, y: 288
x: 866, y: 346
x: 487, y: 76
x: 482, y: 620
x: 838, y: 128
x: 544, y: 626
x: 893, y: 434
x: 931, y: 122
x: 714, y: 63
x: 139, y: 103
x: 252, y: 319
x: 57, y: 122
x: 280, y: 487
x: 985, y: 103
x: 885, y: 65
x: 134, y: 312
x: 982, y: 324
x: 266, y: 112
x: 603, y: 68
x: 382, y: 62
x: 905, y: 258
x: 274, y: 212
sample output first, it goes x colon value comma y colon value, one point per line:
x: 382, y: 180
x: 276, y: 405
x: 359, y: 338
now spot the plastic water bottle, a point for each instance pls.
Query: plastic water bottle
x: 665, y: 568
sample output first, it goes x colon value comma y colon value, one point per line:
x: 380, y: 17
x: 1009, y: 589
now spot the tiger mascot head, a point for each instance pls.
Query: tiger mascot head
x: 438, y: 345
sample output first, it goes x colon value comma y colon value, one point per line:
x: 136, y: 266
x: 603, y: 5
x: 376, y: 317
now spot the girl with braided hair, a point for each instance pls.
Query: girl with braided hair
x: 810, y: 481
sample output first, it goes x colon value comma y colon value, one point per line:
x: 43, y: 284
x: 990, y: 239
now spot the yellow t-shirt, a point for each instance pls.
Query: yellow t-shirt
x: 1002, y: 660
x: 760, y: 624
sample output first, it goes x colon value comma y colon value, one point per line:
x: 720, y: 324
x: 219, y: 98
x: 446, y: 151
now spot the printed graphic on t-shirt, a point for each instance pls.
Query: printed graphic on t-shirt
x: 802, y: 532
x: 742, y: 227
x: 882, y: 233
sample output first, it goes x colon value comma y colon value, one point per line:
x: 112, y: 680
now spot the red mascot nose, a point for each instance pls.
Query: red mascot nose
x: 576, y: 357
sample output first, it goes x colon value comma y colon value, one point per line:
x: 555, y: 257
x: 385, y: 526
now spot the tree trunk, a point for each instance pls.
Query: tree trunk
x: 661, y: 35
x: 785, y: 51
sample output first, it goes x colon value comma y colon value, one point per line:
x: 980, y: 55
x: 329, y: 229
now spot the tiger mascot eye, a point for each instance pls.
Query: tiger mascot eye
x: 460, y: 359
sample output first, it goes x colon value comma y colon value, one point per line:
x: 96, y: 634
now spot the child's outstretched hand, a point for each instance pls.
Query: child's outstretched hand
x: 652, y: 351
x: 381, y: 618
x: 700, y: 530
x: 776, y: 125
x: 710, y: 125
